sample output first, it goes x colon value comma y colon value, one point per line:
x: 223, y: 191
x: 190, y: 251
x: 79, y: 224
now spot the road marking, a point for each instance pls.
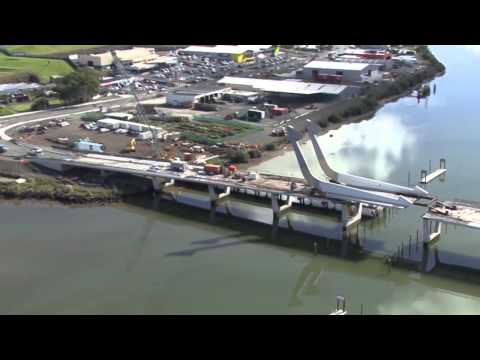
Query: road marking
x: 65, y: 107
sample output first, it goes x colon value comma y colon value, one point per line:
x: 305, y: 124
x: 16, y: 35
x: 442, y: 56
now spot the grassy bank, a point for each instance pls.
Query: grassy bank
x: 48, y: 49
x: 14, y: 68
x: 15, y: 108
x: 52, y: 189
x: 47, y: 188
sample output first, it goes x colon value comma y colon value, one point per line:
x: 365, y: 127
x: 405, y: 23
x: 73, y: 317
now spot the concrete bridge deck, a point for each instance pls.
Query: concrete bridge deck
x: 266, y: 183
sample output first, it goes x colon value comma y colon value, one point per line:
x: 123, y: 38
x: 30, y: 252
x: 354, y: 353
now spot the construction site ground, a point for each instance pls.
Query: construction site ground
x: 117, y: 143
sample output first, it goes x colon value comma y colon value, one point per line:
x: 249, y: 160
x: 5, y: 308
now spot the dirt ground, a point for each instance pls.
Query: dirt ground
x: 114, y: 143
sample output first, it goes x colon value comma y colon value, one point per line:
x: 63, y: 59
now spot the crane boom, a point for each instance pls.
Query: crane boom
x: 140, y: 110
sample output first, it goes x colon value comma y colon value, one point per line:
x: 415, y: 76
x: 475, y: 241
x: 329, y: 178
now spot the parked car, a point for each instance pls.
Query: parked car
x: 3, y: 149
x: 35, y: 151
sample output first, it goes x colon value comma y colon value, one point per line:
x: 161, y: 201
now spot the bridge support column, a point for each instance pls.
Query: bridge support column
x: 430, y: 239
x: 216, y: 199
x: 348, y: 220
x: 104, y: 173
x: 159, y: 184
x: 279, y: 212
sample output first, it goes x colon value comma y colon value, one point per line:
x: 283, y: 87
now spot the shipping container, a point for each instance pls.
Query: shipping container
x: 108, y: 123
x: 212, y: 169
x: 144, y: 135
x: 89, y: 146
x: 188, y: 156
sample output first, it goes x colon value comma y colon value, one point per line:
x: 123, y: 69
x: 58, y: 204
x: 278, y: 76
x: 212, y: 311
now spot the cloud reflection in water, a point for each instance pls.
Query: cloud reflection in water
x: 373, y: 148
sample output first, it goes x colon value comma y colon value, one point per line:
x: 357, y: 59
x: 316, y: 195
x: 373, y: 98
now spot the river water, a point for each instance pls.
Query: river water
x: 157, y: 257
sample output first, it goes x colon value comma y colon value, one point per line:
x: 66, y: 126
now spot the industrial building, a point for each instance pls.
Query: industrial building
x: 114, y: 124
x: 237, y: 53
x: 128, y: 56
x: 381, y: 64
x: 332, y: 71
x: 239, y: 95
x: 189, y: 97
x: 6, y: 89
x: 289, y: 88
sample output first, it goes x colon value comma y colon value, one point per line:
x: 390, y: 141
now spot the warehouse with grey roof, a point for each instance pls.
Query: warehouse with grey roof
x: 291, y: 88
x: 332, y: 71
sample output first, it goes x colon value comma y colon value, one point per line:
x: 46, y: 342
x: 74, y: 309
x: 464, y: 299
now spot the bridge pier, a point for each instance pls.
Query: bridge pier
x: 279, y: 211
x: 214, y: 197
x: 216, y: 200
x: 159, y: 184
x: 430, y: 238
x: 347, y: 219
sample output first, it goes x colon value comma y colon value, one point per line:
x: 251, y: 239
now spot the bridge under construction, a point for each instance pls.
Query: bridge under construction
x: 353, y: 196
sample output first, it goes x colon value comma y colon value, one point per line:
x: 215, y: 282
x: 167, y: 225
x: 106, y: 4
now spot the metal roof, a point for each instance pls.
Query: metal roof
x: 10, y: 88
x: 285, y: 86
x: 226, y: 49
x: 199, y: 91
x: 332, y: 65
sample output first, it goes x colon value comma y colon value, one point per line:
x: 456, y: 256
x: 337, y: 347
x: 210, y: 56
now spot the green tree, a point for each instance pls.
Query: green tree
x: 79, y: 86
x: 254, y: 153
x: 270, y: 147
x: 238, y: 156
x: 40, y: 104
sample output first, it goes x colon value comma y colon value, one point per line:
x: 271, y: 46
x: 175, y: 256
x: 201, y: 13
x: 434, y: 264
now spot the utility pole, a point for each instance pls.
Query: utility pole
x: 140, y: 110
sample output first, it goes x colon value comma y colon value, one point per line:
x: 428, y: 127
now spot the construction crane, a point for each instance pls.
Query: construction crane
x: 140, y: 110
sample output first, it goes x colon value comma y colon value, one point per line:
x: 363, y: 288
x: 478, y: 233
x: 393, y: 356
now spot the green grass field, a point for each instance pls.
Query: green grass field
x: 48, y: 49
x: 14, y: 108
x: 43, y: 68
x: 5, y: 111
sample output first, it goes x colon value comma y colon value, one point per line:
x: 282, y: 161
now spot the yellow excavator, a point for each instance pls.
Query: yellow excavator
x: 131, y: 146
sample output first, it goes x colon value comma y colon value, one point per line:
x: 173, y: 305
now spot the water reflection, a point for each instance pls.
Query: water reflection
x: 307, y: 282
x: 474, y: 49
x: 422, y: 300
x: 374, y: 148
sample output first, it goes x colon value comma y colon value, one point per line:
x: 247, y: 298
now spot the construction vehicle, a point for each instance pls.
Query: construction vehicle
x: 140, y: 110
x: 131, y: 147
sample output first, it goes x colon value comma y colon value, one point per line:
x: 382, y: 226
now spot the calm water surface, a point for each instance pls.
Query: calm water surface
x: 162, y: 258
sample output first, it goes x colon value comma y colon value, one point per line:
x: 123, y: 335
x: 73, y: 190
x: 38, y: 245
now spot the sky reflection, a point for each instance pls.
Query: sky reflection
x: 373, y: 148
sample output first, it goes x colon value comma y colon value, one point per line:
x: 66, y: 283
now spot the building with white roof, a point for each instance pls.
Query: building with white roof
x: 19, y: 87
x: 130, y: 56
x: 282, y: 87
x: 333, y: 71
x: 237, y: 53
x: 191, y: 96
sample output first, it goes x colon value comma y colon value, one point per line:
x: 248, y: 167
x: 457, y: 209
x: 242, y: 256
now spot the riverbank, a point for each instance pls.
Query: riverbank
x: 44, y: 188
x: 23, y: 181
